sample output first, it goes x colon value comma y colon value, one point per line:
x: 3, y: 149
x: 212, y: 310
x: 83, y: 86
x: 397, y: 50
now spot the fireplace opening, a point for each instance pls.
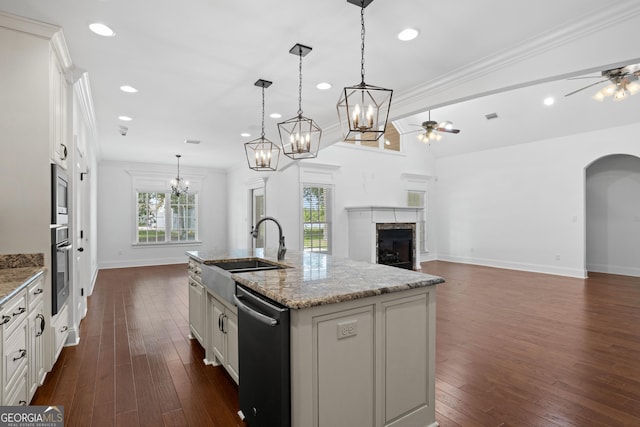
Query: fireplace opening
x: 396, y: 246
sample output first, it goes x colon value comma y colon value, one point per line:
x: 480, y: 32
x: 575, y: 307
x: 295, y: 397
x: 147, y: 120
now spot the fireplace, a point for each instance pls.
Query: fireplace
x: 396, y: 244
x: 385, y: 235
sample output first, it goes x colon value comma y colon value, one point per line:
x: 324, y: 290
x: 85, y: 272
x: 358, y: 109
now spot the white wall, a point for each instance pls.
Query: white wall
x: 116, y: 214
x: 360, y: 177
x: 613, y: 215
x: 523, y: 206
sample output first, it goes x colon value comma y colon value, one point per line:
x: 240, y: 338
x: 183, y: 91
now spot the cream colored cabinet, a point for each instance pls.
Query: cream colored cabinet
x: 60, y: 330
x: 366, y: 362
x: 222, y: 343
x: 197, y: 302
x: 23, y: 350
x: 59, y: 145
x: 36, y: 329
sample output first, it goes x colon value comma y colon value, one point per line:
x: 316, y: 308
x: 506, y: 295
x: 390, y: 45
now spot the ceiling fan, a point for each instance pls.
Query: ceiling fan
x: 623, y: 82
x: 433, y: 129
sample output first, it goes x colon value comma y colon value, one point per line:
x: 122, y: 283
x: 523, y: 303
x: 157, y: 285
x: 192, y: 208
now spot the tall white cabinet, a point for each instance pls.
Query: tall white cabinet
x: 35, y: 123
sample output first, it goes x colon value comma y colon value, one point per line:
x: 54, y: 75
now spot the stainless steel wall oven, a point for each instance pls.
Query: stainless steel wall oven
x: 59, y: 196
x: 60, y: 263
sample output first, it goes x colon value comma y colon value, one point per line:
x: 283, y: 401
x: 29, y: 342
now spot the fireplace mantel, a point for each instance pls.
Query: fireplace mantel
x: 363, y: 221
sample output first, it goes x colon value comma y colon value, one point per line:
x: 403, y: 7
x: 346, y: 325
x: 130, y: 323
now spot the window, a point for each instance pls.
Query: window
x: 418, y: 199
x: 165, y: 217
x: 316, y: 213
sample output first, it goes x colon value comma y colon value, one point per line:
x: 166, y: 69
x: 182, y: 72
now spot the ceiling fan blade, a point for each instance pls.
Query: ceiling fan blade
x: 448, y: 130
x: 587, y: 87
x: 585, y: 77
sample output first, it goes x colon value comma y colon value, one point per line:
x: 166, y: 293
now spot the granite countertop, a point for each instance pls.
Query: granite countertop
x: 311, y: 279
x: 18, y: 271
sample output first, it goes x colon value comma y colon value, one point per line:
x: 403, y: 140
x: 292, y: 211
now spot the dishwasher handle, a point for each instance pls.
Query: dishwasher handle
x: 258, y: 316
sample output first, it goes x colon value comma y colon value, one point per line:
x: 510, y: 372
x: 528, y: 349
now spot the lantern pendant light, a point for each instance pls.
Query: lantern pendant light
x: 363, y: 110
x: 300, y: 136
x: 179, y: 185
x: 262, y: 154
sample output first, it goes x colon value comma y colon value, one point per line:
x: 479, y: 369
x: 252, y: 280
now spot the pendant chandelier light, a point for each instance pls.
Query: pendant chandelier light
x: 179, y: 185
x: 300, y: 136
x: 262, y: 154
x: 363, y: 109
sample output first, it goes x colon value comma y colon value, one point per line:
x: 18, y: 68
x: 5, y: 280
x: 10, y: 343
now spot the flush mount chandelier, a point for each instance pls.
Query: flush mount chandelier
x: 179, y: 185
x: 300, y: 136
x: 262, y: 154
x: 363, y: 109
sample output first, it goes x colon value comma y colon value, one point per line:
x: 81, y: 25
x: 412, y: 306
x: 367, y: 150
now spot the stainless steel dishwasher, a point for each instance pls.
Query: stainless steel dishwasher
x: 263, y: 353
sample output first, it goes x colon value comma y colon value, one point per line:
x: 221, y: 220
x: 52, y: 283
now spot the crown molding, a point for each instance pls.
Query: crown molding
x: 28, y: 26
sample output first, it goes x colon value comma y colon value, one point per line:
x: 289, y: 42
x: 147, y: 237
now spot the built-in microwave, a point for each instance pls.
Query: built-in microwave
x: 59, y: 195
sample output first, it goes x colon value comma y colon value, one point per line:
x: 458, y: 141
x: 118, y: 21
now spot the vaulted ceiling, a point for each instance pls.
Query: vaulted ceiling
x: 195, y: 64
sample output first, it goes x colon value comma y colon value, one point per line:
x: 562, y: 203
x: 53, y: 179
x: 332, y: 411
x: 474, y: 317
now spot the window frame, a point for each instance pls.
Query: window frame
x: 328, y: 206
x: 168, y: 228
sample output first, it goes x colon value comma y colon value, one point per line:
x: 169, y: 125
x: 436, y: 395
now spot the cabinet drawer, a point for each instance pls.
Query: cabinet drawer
x: 17, y: 394
x: 14, y: 312
x: 14, y: 354
x: 35, y: 292
x: 61, y: 330
x: 195, y: 271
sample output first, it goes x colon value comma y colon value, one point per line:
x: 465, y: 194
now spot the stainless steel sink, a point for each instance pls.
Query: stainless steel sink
x: 216, y: 276
x: 242, y: 266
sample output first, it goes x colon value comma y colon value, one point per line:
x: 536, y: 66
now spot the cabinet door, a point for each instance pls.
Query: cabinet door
x: 231, y: 333
x: 217, y: 336
x: 58, y: 143
x: 196, y: 309
x: 36, y: 347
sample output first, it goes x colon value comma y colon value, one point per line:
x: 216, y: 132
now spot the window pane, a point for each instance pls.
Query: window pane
x: 316, y: 218
x: 158, y: 223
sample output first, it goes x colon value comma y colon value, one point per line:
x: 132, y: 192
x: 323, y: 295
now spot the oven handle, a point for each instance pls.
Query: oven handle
x: 258, y: 316
x: 64, y: 248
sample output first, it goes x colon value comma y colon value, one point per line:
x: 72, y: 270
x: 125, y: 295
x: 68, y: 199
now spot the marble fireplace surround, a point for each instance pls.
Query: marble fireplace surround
x: 365, y: 221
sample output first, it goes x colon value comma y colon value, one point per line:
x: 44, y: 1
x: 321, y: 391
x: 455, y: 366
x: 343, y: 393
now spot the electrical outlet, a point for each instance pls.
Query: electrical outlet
x: 347, y: 329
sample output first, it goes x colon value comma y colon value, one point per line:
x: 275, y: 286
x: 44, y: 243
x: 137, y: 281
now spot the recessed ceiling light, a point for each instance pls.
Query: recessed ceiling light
x: 275, y: 115
x: 101, y: 29
x: 408, y: 34
x: 125, y: 118
x: 323, y: 86
x: 245, y: 134
x: 549, y: 101
x: 128, y: 89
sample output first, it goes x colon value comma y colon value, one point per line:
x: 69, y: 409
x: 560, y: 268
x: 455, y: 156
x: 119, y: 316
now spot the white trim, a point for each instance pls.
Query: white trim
x: 82, y: 91
x: 26, y: 25
x: 142, y: 262
x: 614, y: 269
x: 521, y: 266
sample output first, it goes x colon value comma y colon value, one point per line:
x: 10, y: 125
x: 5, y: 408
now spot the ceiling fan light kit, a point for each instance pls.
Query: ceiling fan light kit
x: 623, y: 82
x: 300, y: 135
x: 432, y: 129
x: 363, y: 110
x: 262, y: 154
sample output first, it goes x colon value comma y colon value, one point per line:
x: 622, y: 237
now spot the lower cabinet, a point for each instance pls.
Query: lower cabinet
x: 22, y: 320
x: 368, y: 362
x: 60, y: 326
x: 222, y: 342
x: 197, y: 303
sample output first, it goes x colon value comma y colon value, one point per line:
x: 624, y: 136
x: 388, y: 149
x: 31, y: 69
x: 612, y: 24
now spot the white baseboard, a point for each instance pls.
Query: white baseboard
x: 534, y: 268
x: 142, y: 262
x: 614, y: 269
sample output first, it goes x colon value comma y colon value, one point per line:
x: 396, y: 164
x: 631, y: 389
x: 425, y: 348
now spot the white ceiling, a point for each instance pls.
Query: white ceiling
x: 195, y: 65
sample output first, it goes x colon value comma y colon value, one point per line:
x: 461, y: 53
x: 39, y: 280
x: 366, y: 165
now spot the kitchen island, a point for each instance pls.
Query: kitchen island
x: 362, y: 337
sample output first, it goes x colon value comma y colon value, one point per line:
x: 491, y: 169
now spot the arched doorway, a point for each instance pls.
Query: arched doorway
x: 613, y: 215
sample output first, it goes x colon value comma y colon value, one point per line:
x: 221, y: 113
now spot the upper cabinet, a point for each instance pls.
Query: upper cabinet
x: 59, y: 118
x: 59, y: 68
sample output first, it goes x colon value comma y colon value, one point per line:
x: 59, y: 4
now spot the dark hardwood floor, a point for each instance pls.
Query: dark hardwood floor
x: 513, y: 349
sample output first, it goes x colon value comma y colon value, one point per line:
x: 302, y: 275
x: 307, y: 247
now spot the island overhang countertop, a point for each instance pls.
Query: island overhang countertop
x: 311, y: 279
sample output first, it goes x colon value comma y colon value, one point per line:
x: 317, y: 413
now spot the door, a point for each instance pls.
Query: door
x: 81, y: 264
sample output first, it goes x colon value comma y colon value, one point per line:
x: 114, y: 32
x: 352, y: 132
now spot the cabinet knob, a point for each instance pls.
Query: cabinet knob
x: 80, y: 249
x: 64, y: 329
x: 22, y: 403
x: 38, y: 291
x: 5, y: 320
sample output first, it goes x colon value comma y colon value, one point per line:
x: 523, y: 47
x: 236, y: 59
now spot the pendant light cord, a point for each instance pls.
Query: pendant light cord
x: 300, y: 84
x: 262, y: 134
x: 362, y: 44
